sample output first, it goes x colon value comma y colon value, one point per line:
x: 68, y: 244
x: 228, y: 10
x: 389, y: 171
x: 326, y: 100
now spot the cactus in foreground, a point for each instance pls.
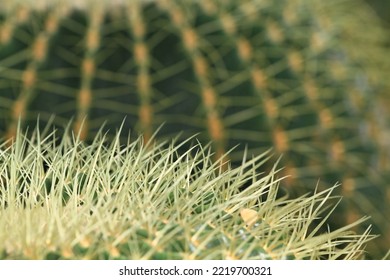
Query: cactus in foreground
x: 112, y: 200
x: 296, y: 75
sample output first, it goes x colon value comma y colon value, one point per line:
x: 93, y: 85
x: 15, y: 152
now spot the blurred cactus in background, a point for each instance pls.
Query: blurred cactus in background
x: 382, y: 8
x: 306, y: 77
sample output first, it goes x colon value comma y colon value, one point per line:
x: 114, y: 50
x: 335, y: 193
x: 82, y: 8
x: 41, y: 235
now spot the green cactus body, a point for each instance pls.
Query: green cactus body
x: 293, y: 75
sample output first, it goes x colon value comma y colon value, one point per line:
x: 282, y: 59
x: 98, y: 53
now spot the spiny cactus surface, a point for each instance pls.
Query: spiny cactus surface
x: 306, y: 77
x: 110, y: 200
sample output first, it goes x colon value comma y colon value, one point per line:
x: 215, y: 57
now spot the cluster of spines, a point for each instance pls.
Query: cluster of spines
x: 114, y: 201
